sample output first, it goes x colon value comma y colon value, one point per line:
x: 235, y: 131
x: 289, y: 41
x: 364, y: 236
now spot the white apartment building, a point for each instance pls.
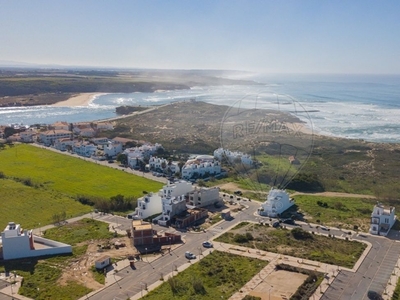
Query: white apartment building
x: 18, y: 243
x: 382, y: 219
x: 200, y: 169
x: 277, y: 202
x: 202, y: 197
x: 151, y: 204
x: 233, y: 156
x: 48, y: 137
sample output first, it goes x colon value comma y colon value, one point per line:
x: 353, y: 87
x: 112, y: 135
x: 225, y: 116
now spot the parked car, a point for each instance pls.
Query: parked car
x: 325, y: 228
x: 289, y: 221
x: 238, y: 192
x: 207, y: 244
x: 189, y: 255
x: 110, y: 161
x: 276, y: 224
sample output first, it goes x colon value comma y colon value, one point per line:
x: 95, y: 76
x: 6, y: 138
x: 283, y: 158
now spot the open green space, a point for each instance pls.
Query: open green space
x: 341, y: 212
x: 296, y: 242
x: 79, y: 231
x: 34, y: 207
x: 217, y: 276
x: 41, y: 275
x: 70, y: 175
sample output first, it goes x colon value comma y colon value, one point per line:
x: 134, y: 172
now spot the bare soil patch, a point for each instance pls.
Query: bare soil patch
x: 279, y: 285
x: 79, y: 269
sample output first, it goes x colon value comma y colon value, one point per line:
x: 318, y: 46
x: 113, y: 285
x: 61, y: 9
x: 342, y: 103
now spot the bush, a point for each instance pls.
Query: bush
x: 300, y: 234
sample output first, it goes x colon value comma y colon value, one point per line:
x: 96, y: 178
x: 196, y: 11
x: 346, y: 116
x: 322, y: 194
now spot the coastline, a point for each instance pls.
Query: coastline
x: 82, y: 99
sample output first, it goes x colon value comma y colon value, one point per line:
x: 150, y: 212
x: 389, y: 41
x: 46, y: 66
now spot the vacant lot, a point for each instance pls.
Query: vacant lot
x: 30, y: 206
x: 217, y: 276
x: 296, y: 242
x: 69, y: 175
x: 68, y: 276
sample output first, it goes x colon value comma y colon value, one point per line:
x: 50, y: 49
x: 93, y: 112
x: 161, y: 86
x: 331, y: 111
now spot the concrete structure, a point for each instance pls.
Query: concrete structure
x: 84, y: 148
x: 233, y: 156
x: 382, y: 220
x: 277, y: 202
x: 102, y: 262
x: 171, y: 206
x: 143, y: 234
x: 59, y: 125
x: 64, y: 144
x: 203, y: 197
x: 113, y: 148
x: 189, y: 217
x: 152, y: 203
x: 18, y: 243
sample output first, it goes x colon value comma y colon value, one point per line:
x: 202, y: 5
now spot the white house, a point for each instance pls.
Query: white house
x: 28, y: 136
x: 84, y: 149
x: 171, y: 207
x: 151, y: 204
x: 382, y: 220
x: 233, y: 156
x: 102, y: 262
x: 112, y: 148
x: 277, y: 202
x: 64, y: 144
x: 18, y: 243
x: 203, y: 197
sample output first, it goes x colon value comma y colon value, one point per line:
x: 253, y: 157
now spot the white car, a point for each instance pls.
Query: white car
x: 189, y: 255
x: 207, y: 244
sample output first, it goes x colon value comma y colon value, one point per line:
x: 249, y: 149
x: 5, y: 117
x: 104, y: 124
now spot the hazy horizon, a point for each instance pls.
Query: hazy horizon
x: 307, y: 37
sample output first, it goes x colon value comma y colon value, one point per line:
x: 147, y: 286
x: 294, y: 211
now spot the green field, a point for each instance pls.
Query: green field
x: 344, y: 212
x: 54, y: 182
x: 217, y: 276
x: 31, y: 206
x: 296, y: 242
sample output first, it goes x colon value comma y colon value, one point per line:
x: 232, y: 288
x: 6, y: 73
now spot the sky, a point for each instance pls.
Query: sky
x: 344, y: 37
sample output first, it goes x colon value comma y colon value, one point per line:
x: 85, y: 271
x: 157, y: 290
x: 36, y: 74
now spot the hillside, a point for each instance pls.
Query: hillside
x: 332, y: 164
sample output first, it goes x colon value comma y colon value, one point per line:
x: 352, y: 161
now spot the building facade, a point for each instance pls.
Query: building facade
x: 277, y: 202
x: 382, y: 219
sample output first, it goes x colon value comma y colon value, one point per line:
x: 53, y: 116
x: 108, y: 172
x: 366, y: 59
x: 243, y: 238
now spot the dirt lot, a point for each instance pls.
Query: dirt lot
x: 79, y: 270
x: 279, y: 285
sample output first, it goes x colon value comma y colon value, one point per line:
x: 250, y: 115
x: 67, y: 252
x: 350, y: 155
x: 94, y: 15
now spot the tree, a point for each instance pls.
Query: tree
x: 122, y: 158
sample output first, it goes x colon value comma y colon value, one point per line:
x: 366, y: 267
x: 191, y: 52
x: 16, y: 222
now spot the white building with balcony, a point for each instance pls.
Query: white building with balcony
x: 84, y: 149
x: 152, y: 203
x: 277, y: 202
x: 382, y: 219
x: 18, y: 243
x: 196, y: 169
x: 233, y: 156
x: 48, y: 137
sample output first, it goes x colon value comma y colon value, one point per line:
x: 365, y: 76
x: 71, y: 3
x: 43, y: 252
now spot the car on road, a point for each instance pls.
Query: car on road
x: 325, y: 228
x: 289, y: 221
x: 110, y: 161
x: 207, y: 244
x: 276, y: 224
x: 238, y: 192
x: 190, y: 255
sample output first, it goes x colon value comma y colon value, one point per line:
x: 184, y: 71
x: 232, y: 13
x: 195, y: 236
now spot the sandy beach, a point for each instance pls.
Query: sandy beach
x: 82, y: 99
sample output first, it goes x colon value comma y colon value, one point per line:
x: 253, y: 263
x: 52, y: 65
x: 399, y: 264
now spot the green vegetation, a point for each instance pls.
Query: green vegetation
x: 296, y: 242
x: 70, y: 175
x: 344, y: 212
x: 216, y: 276
x: 31, y: 206
x: 396, y: 293
x: 38, y: 184
x: 79, y: 231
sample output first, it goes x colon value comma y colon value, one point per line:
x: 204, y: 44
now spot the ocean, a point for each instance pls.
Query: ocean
x: 350, y: 106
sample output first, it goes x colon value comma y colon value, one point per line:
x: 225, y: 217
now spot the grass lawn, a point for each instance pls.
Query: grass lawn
x: 396, y: 293
x: 218, y: 275
x: 339, y: 211
x: 79, y: 231
x: 296, y: 243
x: 30, y: 206
x: 71, y: 175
